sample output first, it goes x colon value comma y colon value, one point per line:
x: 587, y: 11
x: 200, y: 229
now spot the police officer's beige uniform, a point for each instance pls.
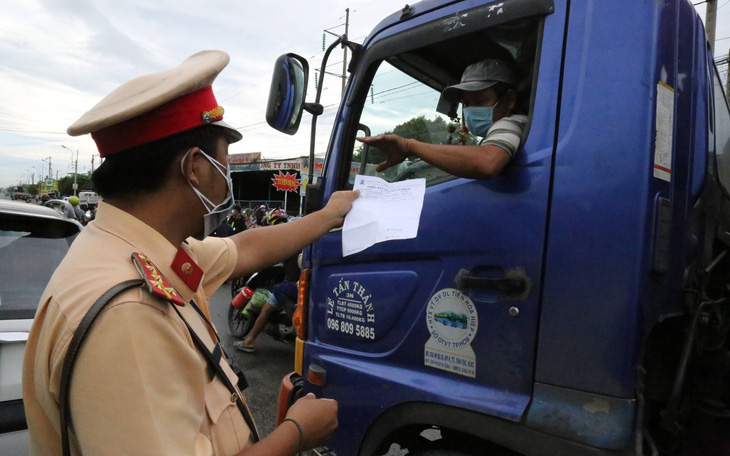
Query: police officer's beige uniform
x: 140, y: 386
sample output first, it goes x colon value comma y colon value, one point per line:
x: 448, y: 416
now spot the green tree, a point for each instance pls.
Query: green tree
x: 418, y: 128
x: 65, y: 184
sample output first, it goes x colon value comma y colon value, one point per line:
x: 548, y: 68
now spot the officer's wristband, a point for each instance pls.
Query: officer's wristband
x: 301, y: 433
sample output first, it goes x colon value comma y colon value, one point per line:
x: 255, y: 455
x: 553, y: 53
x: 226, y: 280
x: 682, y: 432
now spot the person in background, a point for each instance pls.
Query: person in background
x: 282, y: 292
x: 261, y: 215
x: 236, y: 220
x: 78, y: 212
x: 223, y: 230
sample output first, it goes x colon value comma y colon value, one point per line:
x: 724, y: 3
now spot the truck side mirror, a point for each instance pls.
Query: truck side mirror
x: 313, y: 201
x: 286, y: 96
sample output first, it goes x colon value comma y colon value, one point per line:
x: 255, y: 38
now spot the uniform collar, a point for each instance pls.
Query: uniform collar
x: 169, y: 259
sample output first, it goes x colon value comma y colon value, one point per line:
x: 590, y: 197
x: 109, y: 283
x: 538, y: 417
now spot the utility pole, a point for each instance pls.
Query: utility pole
x: 344, y: 59
x: 76, y: 166
x: 343, y: 76
x: 50, y: 173
x: 711, y: 21
x: 727, y: 82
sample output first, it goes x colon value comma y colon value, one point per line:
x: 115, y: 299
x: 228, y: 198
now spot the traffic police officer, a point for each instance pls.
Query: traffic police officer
x: 140, y: 383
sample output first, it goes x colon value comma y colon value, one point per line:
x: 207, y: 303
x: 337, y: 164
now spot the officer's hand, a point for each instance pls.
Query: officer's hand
x: 339, y: 205
x: 395, y: 148
x: 317, y: 417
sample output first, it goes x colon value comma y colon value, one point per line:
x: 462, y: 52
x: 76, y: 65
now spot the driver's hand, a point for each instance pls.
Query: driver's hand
x: 395, y: 148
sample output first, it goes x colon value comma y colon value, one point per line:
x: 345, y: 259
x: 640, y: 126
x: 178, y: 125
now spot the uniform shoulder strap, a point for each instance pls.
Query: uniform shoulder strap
x: 73, y: 349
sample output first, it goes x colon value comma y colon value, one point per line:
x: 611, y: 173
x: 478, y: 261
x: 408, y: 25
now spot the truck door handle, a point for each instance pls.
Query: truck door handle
x: 507, y: 285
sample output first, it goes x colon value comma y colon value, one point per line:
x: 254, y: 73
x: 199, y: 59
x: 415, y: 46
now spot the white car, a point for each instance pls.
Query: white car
x: 88, y: 200
x: 33, y: 241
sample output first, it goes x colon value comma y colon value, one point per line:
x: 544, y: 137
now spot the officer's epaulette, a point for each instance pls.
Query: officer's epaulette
x: 157, y: 284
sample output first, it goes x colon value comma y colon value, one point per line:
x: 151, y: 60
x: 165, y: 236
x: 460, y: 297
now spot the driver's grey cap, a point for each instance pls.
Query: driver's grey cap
x: 480, y: 76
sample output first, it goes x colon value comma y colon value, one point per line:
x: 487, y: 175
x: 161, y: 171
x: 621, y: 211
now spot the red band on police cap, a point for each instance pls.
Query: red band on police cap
x: 183, y: 113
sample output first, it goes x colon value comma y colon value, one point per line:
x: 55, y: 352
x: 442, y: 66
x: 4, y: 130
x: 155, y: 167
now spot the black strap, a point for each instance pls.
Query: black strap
x: 242, y: 382
x: 78, y: 339
x: 222, y: 375
x: 73, y: 349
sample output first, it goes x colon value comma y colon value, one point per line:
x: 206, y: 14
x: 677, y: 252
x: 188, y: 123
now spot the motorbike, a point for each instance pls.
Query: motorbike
x: 249, y: 294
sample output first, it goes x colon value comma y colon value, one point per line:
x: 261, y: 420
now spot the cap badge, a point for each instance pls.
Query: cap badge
x: 212, y: 115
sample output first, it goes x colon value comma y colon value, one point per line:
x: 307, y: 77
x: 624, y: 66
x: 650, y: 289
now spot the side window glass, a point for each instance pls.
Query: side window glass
x: 722, y: 135
x: 400, y: 104
x: 404, y: 98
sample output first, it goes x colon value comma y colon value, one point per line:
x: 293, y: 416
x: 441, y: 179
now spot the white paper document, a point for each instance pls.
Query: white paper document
x: 383, y: 212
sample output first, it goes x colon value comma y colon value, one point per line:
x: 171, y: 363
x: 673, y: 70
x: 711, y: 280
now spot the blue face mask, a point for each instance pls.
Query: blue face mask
x: 479, y: 119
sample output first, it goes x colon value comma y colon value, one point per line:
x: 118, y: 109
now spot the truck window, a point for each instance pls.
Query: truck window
x: 722, y: 135
x: 404, y: 106
x: 403, y: 96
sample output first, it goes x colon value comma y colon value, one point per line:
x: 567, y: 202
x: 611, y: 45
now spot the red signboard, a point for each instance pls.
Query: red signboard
x: 286, y: 182
x: 251, y: 157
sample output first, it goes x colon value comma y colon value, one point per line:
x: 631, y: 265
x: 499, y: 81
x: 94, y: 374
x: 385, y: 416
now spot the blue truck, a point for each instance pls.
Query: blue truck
x: 591, y: 274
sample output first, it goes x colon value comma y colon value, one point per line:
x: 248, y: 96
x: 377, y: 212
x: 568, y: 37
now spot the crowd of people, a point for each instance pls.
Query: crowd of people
x: 241, y: 220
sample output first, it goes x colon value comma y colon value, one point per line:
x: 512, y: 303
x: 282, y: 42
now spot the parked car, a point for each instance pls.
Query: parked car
x: 33, y: 241
x: 21, y: 196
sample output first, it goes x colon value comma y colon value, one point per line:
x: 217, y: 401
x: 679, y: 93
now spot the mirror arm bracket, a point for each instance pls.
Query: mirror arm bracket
x: 316, y: 109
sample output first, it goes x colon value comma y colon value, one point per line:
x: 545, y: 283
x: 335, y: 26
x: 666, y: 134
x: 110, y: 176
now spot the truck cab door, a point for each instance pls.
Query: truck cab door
x: 451, y: 315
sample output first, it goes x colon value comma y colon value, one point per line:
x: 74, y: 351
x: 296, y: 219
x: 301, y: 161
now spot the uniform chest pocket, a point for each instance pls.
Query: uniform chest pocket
x: 218, y: 399
x: 229, y: 432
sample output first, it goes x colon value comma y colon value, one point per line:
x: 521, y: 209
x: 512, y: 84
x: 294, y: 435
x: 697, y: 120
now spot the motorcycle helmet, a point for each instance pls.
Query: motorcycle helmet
x: 277, y: 216
x: 74, y: 200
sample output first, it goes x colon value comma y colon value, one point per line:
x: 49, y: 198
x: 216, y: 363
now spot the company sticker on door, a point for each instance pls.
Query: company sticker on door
x: 350, y: 310
x: 452, y: 322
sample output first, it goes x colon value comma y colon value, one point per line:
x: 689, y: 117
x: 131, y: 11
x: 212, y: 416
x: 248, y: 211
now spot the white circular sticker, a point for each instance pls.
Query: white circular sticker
x: 451, y: 318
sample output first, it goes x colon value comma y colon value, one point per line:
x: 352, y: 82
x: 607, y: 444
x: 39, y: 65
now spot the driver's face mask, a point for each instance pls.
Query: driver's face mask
x: 216, y: 213
x: 479, y: 119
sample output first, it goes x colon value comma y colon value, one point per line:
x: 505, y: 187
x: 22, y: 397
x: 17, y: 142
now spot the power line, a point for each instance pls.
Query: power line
x: 430, y: 92
x: 396, y: 88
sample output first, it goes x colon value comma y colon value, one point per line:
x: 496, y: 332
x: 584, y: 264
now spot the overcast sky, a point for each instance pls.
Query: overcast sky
x: 59, y: 58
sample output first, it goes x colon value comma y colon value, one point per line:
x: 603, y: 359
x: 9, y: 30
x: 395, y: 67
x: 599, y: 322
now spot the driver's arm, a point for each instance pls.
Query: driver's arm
x: 472, y: 162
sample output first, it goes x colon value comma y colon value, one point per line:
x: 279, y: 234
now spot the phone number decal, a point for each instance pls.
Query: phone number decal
x: 346, y: 327
x: 350, y: 310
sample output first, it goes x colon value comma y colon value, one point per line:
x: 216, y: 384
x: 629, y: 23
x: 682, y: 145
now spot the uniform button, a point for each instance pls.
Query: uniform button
x: 187, y: 268
x: 234, y: 397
